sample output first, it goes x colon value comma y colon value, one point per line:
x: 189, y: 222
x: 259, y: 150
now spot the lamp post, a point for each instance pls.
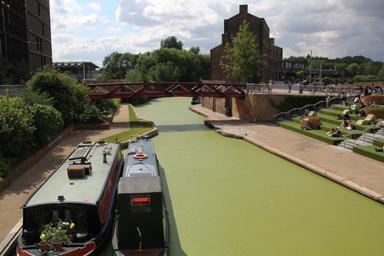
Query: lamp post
x: 4, y: 5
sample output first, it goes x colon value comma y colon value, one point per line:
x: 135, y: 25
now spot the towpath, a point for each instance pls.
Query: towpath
x: 357, y: 172
x: 12, y: 198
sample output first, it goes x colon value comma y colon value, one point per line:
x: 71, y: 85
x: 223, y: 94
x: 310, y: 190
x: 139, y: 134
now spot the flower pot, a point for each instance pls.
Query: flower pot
x: 43, y: 246
x: 58, y: 245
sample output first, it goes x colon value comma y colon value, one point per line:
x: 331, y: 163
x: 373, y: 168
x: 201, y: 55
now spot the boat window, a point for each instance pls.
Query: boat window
x: 141, y: 203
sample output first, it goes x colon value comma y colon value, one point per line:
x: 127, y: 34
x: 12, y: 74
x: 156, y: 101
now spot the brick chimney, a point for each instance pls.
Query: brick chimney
x: 243, y: 9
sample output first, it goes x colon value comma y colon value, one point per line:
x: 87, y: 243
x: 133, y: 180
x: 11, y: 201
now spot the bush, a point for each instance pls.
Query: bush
x: 16, y: 127
x: 107, y: 106
x: 48, y: 122
x: 91, y: 115
x: 23, y: 129
x: 69, y: 99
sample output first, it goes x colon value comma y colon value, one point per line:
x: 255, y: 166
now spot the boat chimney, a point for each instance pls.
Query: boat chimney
x: 60, y: 198
x: 105, y: 157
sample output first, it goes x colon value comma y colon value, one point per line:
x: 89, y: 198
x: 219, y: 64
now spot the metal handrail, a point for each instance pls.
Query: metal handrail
x: 314, y: 106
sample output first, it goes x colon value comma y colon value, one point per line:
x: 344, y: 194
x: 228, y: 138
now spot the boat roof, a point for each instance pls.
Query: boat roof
x: 139, y: 185
x: 141, y: 167
x: 85, y: 190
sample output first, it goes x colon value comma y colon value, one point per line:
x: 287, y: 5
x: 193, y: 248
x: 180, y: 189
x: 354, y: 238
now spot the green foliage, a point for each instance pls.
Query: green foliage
x: 33, y: 97
x: 241, y: 60
x: 171, y: 42
x: 16, y: 128
x: 380, y: 75
x: 48, y: 123
x: 137, y: 127
x: 300, y: 74
x: 13, y: 72
x: 298, y: 59
x: 169, y: 64
x: 24, y: 128
x: 116, y: 65
x: 107, y: 106
x: 359, y: 67
x: 57, y: 232
x: 69, y: 98
x: 365, y: 78
x: 352, y: 69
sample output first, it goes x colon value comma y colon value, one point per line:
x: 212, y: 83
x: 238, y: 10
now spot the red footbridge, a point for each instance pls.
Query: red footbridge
x: 108, y: 90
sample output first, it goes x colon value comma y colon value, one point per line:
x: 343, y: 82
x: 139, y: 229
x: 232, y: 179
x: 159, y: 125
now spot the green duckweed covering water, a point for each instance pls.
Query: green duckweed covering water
x: 228, y: 197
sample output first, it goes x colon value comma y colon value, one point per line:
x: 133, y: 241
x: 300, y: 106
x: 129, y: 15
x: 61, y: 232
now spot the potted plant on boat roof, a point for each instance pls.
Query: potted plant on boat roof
x: 57, y: 234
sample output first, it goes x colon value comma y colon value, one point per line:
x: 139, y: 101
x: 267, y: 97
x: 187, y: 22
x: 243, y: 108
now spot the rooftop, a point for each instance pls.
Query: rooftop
x: 76, y: 64
x: 86, y: 190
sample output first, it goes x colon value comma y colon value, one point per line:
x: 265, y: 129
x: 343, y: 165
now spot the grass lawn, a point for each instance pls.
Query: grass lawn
x: 137, y: 127
x: 369, y: 151
x: 317, y: 134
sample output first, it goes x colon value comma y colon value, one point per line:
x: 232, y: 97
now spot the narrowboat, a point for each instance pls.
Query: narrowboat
x: 141, y: 225
x: 82, y: 191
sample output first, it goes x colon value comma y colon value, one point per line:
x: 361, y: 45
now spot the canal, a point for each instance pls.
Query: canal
x: 228, y: 197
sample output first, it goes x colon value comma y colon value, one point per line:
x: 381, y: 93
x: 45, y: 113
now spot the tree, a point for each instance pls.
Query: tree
x: 171, y: 42
x: 69, y: 98
x: 352, y: 69
x: 170, y: 64
x: 300, y: 74
x: 116, y: 65
x: 241, y: 60
x: 195, y: 49
x: 380, y: 75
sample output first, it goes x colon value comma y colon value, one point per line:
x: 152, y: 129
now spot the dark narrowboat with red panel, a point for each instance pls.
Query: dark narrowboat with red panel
x: 82, y: 191
x: 141, y: 224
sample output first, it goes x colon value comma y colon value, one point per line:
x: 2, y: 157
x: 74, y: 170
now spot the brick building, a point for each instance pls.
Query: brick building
x: 272, y: 68
x: 25, y: 32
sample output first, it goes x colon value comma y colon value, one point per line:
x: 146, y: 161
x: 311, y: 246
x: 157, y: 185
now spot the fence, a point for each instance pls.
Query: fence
x: 11, y: 90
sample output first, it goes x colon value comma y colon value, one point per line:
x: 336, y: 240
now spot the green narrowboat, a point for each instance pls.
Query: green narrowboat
x: 141, y: 225
x: 82, y: 191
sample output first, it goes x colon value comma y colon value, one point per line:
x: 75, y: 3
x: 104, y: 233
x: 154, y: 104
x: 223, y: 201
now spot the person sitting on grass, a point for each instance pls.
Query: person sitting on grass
x: 305, y: 124
x: 346, y: 125
x: 334, y: 132
x: 331, y: 131
x: 380, y: 124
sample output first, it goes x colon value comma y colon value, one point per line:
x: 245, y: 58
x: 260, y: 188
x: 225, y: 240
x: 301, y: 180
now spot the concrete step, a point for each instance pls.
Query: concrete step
x: 366, y: 139
x: 349, y: 144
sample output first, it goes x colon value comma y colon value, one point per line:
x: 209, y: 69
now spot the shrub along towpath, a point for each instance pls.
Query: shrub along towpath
x: 352, y: 170
x: 12, y: 198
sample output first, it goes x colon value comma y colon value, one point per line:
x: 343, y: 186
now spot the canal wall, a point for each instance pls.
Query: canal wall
x: 259, y: 107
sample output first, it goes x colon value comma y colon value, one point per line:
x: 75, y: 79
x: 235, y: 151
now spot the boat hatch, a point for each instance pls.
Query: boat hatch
x: 140, y: 202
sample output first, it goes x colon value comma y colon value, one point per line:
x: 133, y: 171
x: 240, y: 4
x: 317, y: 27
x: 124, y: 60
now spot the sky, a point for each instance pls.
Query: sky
x: 88, y: 30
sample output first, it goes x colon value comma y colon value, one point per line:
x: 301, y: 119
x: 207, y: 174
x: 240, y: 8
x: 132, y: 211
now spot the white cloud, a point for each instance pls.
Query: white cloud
x: 95, y: 6
x: 328, y: 28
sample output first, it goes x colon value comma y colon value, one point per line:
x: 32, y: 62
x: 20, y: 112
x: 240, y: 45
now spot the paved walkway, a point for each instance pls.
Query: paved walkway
x: 14, y: 196
x: 360, y: 173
